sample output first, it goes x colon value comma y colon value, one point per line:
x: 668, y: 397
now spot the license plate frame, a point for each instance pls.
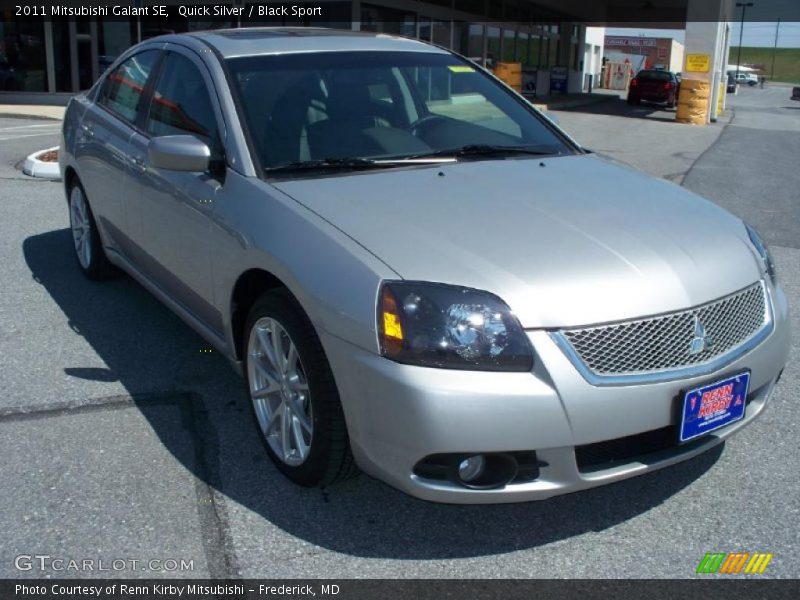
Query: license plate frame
x: 693, y: 425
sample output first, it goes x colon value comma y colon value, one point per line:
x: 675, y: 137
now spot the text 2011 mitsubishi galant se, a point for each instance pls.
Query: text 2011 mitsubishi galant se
x: 415, y: 271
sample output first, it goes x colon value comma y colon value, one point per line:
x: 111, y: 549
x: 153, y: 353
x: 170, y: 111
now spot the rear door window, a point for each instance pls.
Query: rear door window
x: 123, y: 89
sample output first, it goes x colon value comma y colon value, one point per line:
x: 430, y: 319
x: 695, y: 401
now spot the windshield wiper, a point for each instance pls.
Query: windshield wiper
x: 327, y: 163
x: 485, y: 150
x: 357, y: 163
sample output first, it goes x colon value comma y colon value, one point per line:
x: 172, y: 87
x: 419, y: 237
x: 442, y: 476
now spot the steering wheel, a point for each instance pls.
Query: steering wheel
x: 420, y: 123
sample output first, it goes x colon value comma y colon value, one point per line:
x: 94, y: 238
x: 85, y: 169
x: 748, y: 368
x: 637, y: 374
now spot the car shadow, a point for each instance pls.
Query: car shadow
x: 619, y: 107
x: 148, y: 349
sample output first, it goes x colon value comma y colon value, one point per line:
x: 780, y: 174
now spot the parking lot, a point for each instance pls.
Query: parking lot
x: 122, y: 437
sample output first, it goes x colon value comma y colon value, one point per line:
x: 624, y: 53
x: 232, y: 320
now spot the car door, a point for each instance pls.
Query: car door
x: 102, y: 145
x: 171, y: 210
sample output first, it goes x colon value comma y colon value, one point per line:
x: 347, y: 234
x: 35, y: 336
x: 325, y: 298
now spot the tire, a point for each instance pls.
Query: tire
x: 89, y: 253
x: 303, y: 401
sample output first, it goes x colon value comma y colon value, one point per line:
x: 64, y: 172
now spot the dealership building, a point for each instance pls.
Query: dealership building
x: 48, y: 60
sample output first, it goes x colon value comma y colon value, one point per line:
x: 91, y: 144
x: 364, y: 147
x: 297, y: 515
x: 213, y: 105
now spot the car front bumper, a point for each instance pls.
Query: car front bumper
x: 399, y: 414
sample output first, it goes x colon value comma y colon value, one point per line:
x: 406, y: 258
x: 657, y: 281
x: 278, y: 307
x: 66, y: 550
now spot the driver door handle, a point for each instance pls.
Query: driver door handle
x: 138, y: 164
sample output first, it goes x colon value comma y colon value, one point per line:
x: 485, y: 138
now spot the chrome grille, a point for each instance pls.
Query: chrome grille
x: 664, y: 343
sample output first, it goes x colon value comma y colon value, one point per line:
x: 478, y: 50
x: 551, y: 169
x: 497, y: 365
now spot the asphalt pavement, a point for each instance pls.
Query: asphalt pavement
x: 121, y: 437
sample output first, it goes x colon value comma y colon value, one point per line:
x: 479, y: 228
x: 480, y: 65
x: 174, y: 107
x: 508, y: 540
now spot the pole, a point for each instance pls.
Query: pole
x: 775, y: 49
x: 739, y: 56
x: 744, y: 6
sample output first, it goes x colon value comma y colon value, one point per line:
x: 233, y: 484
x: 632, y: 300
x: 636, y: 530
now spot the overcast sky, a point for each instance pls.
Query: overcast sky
x: 760, y: 33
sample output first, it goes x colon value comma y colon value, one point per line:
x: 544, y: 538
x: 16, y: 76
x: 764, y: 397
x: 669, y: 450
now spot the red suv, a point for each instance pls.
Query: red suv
x: 654, y: 86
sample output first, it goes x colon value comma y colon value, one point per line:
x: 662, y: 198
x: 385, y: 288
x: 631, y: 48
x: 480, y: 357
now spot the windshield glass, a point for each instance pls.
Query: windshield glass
x: 378, y: 105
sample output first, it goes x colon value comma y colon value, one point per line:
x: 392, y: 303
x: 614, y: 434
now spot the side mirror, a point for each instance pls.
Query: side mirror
x: 178, y: 153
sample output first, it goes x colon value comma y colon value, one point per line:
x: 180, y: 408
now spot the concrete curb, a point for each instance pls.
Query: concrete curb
x: 38, y: 168
x: 579, y: 103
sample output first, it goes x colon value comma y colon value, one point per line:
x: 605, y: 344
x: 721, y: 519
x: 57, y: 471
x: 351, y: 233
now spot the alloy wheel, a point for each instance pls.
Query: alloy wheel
x: 279, y: 391
x: 81, y: 226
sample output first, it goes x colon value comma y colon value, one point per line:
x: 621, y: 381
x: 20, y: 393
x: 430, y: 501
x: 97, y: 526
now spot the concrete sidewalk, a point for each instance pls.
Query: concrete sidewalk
x: 32, y: 111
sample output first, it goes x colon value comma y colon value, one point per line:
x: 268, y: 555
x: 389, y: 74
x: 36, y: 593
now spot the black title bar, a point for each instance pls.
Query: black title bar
x: 672, y: 13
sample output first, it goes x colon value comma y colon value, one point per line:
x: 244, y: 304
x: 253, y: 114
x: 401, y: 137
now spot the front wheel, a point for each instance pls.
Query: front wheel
x: 293, y: 394
x: 89, y: 251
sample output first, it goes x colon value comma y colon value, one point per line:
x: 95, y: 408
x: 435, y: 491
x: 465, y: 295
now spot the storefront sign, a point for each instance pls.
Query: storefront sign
x: 630, y: 41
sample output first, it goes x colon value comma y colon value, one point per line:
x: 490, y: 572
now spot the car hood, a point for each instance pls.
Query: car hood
x: 564, y: 241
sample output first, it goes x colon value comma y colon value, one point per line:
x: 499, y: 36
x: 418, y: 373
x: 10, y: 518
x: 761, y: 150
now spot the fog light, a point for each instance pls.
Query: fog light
x: 471, y: 468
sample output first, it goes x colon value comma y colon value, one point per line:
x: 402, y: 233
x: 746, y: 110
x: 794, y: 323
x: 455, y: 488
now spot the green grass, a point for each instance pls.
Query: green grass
x: 787, y: 61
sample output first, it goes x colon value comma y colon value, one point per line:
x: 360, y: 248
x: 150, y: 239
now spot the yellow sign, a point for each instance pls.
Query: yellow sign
x: 461, y: 69
x: 698, y: 63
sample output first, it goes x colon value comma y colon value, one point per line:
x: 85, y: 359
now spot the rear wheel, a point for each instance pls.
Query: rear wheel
x: 89, y: 251
x: 293, y: 395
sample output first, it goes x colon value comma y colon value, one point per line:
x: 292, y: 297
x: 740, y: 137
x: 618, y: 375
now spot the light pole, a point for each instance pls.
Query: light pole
x: 775, y: 49
x: 744, y: 6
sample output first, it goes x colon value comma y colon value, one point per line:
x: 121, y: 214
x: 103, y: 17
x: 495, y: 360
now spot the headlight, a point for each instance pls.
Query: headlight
x: 763, y: 252
x: 450, y: 327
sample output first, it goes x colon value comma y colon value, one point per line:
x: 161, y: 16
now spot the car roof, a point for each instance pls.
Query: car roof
x: 249, y: 41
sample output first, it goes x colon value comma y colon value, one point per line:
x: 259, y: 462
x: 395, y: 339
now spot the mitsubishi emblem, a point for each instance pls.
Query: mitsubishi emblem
x: 700, y: 341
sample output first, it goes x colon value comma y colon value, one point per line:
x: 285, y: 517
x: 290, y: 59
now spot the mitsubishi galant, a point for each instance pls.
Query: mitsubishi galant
x: 415, y: 271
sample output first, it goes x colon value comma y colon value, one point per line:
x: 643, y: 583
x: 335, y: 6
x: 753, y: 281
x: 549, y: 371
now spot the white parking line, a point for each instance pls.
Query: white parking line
x: 19, y: 137
x: 48, y: 125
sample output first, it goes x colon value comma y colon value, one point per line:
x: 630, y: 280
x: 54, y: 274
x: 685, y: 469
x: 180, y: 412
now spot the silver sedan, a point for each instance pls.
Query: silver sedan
x: 416, y: 272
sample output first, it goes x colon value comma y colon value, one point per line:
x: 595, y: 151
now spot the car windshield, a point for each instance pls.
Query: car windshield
x: 314, y: 109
